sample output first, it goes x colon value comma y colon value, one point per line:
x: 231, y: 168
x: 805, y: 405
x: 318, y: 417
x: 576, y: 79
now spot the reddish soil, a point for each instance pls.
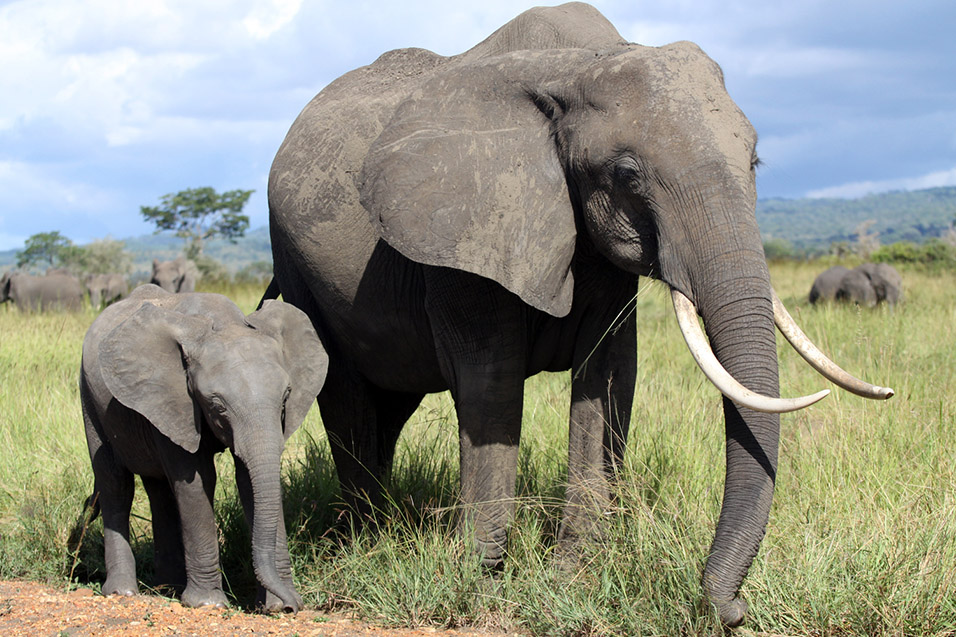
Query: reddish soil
x: 30, y: 608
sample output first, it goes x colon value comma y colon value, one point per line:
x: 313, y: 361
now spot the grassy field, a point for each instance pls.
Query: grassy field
x: 862, y: 535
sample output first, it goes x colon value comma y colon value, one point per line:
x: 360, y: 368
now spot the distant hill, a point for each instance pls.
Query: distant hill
x: 914, y: 216
x: 808, y: 224
x: 251, y: 248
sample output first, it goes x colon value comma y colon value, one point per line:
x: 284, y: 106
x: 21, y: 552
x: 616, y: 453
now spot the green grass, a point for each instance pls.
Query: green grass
x: 861, y: 540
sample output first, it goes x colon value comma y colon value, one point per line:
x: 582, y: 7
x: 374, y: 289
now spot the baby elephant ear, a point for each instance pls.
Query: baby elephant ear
x: 143, y: 362
x: 305, y: 358
x: 466, y: 176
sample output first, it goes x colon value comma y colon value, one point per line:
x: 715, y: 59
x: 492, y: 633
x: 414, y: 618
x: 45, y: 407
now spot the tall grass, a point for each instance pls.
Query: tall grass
x: 861, y: 540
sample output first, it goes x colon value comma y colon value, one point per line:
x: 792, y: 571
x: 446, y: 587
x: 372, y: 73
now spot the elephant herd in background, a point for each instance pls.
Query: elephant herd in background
x: 460, y: 223
x: 60, y: 290
x: 868, y: 284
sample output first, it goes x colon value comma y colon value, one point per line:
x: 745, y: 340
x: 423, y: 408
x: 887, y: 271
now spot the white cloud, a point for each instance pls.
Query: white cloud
x: 264, y: 20
x: 44, y: 188
x: 107, y: 104
x: 861, y: 188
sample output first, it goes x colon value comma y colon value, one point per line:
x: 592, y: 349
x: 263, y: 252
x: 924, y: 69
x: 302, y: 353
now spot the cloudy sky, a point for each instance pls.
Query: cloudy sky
x: 106, y: 105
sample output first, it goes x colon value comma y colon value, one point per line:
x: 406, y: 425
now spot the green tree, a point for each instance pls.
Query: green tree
x: 103, y: 256
x: 197, y: 214
x: 46, y: 250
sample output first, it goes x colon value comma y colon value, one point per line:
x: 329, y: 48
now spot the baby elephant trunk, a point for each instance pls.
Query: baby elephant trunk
x: 261, y: 464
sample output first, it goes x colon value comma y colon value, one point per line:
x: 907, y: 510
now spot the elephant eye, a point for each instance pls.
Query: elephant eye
x: 217, y: 405
x: 627, y: 173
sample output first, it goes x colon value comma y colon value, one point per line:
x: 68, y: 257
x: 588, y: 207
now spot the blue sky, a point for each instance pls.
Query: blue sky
x: 106, y: 105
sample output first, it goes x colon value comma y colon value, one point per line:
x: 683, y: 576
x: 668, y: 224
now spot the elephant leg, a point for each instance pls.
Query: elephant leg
x: 350, y: 418
x: 392, y: 411
x: 192, y: 477
x: 168, y: 563
x: 113, y: 491
x: 602, y: 393
x: 488, y: 401
x: 481, y: 341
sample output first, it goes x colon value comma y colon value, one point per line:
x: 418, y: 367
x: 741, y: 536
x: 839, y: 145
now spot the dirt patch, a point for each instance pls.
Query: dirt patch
x: 30, y: 608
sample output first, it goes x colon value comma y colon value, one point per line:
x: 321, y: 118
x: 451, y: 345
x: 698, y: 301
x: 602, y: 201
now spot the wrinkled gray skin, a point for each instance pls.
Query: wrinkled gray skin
x: 887, y: 282
x: 104, y: 289
x: 465, y: 222
x: 827, y: 283
x: 53, y: 291
x: 178, y: 275
x: 169, y: 380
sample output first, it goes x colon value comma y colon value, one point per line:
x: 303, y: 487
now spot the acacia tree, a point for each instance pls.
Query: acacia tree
x: 50, y: 249
x: 197, y: 214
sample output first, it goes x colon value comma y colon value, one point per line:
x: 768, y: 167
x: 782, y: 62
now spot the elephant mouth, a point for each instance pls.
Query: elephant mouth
x: 734, y: 390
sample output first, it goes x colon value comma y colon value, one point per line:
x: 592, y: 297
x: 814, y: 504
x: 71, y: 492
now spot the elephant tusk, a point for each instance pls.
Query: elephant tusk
x: 720, y: 377
x: 818, y: 360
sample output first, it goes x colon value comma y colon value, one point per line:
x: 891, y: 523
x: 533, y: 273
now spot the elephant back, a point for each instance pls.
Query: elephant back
x: 827, y: 283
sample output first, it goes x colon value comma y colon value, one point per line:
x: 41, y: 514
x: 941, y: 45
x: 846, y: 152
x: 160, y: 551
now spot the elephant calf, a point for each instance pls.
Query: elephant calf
x: 166, y: 382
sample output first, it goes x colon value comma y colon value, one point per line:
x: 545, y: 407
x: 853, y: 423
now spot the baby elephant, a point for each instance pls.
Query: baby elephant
x: 166, y: 382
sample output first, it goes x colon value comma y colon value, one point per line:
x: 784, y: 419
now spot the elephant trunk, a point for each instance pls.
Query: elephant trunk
x: 261, y: 454
x: 742, y: 335
x: 712, y: 253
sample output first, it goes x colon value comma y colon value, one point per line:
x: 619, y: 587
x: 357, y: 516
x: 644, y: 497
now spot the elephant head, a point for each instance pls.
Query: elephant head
x: 887, y: 282
x: 178, y: 275
x: 248, y: 380
x: 827, y: 283
x: 523, y: 166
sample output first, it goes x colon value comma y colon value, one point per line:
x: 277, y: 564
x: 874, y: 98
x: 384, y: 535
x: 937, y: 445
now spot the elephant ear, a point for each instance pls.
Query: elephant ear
x: 466, y: 176
x: 143, y: 361
x: 305, y: 359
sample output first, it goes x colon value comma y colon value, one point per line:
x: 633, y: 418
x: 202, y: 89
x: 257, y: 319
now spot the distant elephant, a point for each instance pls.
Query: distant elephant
x: 104, y: 289
x: 55, y: 291
x: 465, y: 222
x: 178, y: 275
x: 856, y: 287
x: 827, y: 283
x: 887, y: 282
x: 166, y: 382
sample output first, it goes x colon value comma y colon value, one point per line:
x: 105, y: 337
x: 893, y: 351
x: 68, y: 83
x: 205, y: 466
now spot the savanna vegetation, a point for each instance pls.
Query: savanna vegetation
x: 809, y: 226
x: 861, y: 540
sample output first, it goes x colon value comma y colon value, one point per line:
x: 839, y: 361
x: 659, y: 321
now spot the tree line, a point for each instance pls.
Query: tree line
x: 195, y: 215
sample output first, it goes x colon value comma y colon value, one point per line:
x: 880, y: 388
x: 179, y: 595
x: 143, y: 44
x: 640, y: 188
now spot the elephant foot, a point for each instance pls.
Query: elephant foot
x: 194, y: 597
x: 732, y: 613
x: 492, y: 551
x: 120, y: 585
x: 268, y: 602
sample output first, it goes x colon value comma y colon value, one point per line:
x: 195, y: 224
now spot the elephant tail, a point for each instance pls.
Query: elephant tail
x: 91, y: 511
x: 272, y: 292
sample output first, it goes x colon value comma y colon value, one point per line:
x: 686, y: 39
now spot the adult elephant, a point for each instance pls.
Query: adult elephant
x: 178, y: 275
x: 827, y: 283
x: 886, y: 281
x: 465, y: 222
x: 104, y: 289
x: 53, y: 291
x: 856, y: 287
